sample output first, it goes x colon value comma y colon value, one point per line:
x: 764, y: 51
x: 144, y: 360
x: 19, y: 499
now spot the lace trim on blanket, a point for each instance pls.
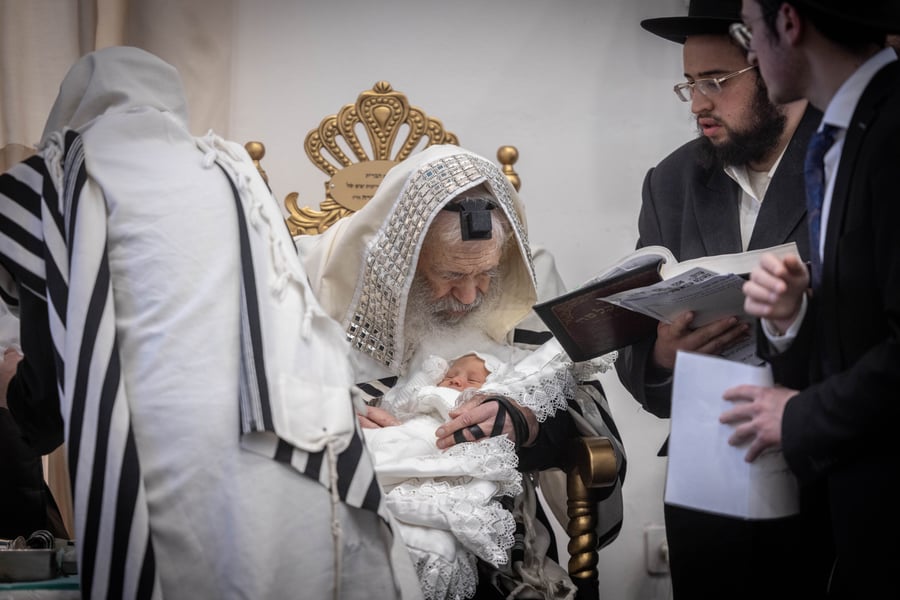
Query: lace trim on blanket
x: 554, y: 386
x: 445, y: 580
x: 543, y: 393
x: 493, y: 459
x: 470, y: 512
x: 485, y: 530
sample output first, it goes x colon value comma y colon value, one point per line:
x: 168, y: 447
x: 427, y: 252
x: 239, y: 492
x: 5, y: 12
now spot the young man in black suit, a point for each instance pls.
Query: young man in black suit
x: 738, y: 186
x: 838, y: 343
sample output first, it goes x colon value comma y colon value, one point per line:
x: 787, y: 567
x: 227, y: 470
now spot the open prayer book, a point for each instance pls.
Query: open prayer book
x: 623, y: 304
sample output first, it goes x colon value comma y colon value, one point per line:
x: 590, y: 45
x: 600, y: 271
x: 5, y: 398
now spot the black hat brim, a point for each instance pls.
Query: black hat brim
x: 677, y: 29
x: 883, y: 16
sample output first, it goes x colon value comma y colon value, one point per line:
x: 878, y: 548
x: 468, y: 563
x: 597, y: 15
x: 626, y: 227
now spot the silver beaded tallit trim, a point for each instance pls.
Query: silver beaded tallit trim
x: 375, y: 319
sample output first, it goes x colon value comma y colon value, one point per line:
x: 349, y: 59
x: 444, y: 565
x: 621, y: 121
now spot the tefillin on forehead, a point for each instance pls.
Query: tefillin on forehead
x: 474, y: 208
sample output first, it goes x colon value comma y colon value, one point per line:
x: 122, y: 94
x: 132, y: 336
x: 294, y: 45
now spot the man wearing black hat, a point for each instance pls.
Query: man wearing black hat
x: 840, y: 343
x: 739, y: 186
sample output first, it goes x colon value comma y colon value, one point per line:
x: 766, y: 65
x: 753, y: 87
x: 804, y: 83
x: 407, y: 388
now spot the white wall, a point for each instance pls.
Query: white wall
x: 582, y: 91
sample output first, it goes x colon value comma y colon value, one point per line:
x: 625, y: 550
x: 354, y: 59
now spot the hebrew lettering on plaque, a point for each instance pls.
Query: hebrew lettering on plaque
x: 353, y: 186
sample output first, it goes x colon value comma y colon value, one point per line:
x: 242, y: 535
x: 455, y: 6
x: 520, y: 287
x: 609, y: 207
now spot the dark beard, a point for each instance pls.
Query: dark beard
x: 752, y: 144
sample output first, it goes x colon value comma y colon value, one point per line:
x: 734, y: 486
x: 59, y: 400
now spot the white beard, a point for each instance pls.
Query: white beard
x: 427, y: 333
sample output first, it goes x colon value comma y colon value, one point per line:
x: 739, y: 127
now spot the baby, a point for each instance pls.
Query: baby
x: 446, y: 502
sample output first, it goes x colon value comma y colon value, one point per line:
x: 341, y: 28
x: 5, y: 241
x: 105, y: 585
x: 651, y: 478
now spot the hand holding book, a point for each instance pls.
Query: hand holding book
x: 623, y: 304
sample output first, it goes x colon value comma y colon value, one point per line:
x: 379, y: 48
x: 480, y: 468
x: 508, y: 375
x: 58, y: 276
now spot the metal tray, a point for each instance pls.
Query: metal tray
x: 29, y: 564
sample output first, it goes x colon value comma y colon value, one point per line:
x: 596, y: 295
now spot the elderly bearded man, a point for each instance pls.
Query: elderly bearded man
x: 438, y: 262
x: 738, y: 186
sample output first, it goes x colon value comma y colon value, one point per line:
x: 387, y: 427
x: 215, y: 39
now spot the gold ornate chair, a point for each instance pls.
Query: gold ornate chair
x: 384, y: 114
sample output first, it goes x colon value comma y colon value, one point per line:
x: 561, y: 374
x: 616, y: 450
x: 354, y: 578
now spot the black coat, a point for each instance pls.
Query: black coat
x: 840, y: 431
x: 693, y: 210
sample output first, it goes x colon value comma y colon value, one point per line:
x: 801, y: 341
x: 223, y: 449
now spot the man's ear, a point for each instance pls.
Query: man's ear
x: 789, y: 25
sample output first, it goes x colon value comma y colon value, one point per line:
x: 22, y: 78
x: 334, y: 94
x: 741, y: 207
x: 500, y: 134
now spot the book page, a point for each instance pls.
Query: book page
x: 710, y: 295
x: 739, y: 263
x: 704, y: 471
x: 640, y: 258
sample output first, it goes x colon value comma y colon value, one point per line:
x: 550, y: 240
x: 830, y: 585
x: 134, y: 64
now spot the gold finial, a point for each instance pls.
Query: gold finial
x: 257, y: 151
x: 507, y: 156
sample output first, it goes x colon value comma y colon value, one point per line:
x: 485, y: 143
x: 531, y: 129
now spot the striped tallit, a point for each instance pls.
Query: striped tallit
x: 55, y: 247
x: 54, y: 244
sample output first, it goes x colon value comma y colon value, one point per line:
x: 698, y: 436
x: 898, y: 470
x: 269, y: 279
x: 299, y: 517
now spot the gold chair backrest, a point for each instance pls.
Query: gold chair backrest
x: 383, y: 113
x: 393, y: 129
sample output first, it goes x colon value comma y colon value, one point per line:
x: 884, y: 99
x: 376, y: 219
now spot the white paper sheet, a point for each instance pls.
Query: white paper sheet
x: 704, y: 472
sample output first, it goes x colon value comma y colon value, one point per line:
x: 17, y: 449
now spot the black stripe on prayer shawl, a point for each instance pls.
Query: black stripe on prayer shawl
x: 346, y: 464
x: 76, y: 414
x: 57, y: 288
x: 369, y: 390
x: 354, y: 467
x: 28, y: 198
x: 74, y: 176
x: 23, y: 194
x: 129, y: 488
x: 531, y: 337
x: 30, y: 245
x: 107, y: 400
x: 372, y: 498
x: 283, y: 451
x: 373, y: 390
x: 313, y: 468
x: 148, y: 572
x: 258, y: 389
x: 351, y: 468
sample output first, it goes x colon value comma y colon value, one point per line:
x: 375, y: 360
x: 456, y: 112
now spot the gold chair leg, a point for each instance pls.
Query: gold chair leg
x: 593, y: 465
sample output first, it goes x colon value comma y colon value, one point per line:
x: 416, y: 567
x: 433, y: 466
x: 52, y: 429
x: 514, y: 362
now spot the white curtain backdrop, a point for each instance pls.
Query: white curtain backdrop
x: 40, y: 39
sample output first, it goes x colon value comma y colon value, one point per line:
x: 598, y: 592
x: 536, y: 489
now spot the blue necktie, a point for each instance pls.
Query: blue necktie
x: 814, y: 172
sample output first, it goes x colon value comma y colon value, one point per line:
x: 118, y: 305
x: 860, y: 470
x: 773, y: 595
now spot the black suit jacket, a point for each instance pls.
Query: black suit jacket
x: 693, y: 210
x: 841, y: 430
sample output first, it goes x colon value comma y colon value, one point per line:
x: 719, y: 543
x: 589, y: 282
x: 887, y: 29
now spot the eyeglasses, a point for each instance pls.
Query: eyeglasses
x: 741, y: 34
x: 707, y: 87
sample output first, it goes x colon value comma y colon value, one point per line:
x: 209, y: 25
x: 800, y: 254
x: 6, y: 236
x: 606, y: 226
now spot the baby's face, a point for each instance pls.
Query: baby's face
x: 465, y: 372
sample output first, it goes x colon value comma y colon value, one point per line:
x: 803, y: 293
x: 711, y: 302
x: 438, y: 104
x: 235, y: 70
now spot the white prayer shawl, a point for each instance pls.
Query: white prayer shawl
x: 154, y: 328
x: 361, y: 268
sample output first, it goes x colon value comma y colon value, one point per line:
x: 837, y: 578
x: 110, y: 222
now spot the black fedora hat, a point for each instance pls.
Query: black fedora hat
x: 879, y: 15
x: 704, y: 17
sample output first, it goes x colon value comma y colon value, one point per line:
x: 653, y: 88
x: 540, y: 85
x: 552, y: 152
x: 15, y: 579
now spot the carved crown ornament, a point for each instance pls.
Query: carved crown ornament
x: 356, y: 166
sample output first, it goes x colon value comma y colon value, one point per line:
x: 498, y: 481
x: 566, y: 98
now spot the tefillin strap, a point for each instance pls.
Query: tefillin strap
x: 474, y: 216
